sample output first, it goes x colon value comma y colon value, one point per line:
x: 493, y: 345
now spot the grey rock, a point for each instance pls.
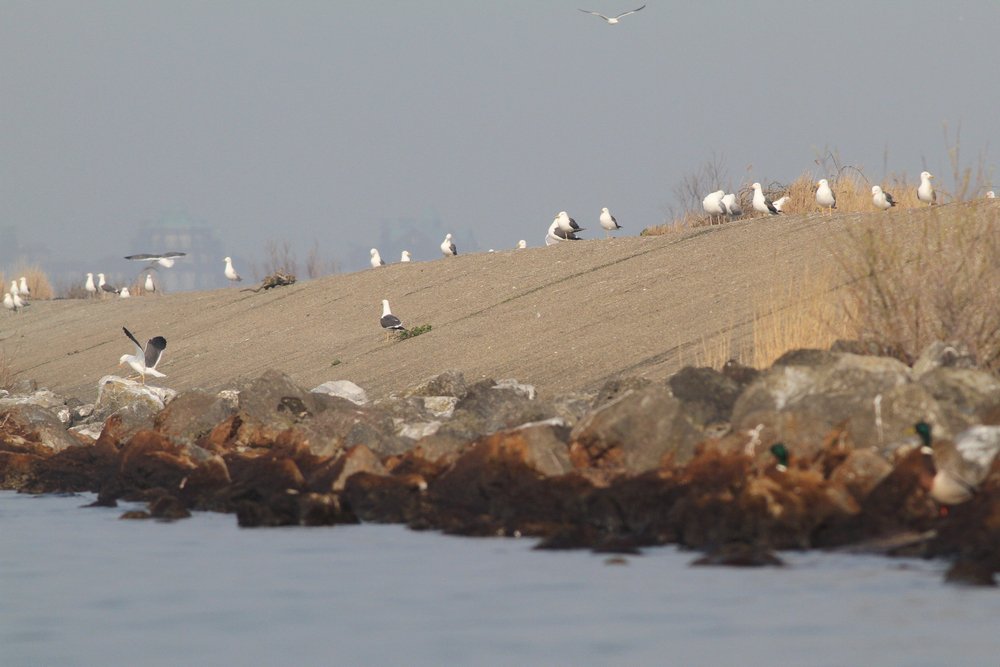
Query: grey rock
x: 615, y: 388
x: 966, y: 395
x: 645, y: 424
x: 38, y: 424
x: 708, y: 395
x: 861, y: 472
x: 91, y: 430
x: 943, y: 355
x: 343, y: 389
x: 192, y: 415
x: 339, y: 428
x: 525, y: 390
x: 136, y: 404
x: 41, y: 397
x: 448, y: 383
x: 811, y: 393
x: 275, y: 400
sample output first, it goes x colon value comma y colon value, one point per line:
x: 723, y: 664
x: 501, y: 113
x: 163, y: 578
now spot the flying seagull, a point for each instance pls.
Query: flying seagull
x: 166, y: 260
x: 448, y: 246
x: 882, y: 200
x: 389, y: 321
x: 761, y: 202
x: 612, y: 20
x: 230, y: 271
x: 608, y: 222
x: 824, y: 196
x: 144, y: 361
x: 925, y: 191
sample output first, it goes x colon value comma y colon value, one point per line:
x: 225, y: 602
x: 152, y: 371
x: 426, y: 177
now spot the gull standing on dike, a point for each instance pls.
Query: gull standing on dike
x: 760, y: 201
x: 8, y: 301
x: 376, y: 259
x: 149, y: 286
x: 230, y: 271
x: 925, y: 191
x: 712, y: 203
x: 89, y: 285
x: 448, y: 248
x: 144, y: 361
x: 123, y: 293
x: 522, y: 244
x: 14, y: 291
x: 731, y: 205
x: 613, y: 20
x: 388, y: 321
x: 567, y: 224
x: 882, y: 200
x: 24, y: 287
x: 825, y: 197
x: 780, y: 203
x: 556, y: 234
x: 608, y: 222
x: 405, y: 256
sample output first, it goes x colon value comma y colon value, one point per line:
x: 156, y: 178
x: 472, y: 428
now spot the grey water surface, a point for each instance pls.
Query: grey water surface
x: 78, y: 586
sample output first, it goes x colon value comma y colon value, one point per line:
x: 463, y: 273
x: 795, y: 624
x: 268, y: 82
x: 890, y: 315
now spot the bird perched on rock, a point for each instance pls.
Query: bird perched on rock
x: 925, y: 191
x: 961, y: 465
x: 608, y: 222
x: 230, y: 272
x: 731, y: 205
x: 712, y: 203
x: 760, y: 201
x: 146, y: 358
x: 389, y: 322
x: 448, y: 248
x: 567, y: 224
x: 824, y: 196
x: 882, y: 199
x: 166, y: 260
x: 89, y: 285
x: 376, y: 259
x: 405, y: 256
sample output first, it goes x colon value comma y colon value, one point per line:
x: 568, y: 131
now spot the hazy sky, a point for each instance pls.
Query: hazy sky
x: 322, y: 120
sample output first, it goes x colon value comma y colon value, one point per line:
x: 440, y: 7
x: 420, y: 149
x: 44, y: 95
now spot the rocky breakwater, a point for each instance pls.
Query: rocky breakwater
x: 818, y: 451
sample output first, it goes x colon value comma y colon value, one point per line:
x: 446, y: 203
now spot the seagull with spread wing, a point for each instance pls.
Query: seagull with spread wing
x: 612, y: 20
x: 166, y: 260
x: 144, y: 361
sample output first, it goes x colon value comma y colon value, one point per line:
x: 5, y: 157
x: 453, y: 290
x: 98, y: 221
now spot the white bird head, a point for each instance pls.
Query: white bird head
x: 90, y: 276
x: 756, y: 186
x: 228, y: 260
x: 991, y: 195
x: 876, y: 189
x: 524, y: 244
x: 604, y: 210
x: 926, y: 175
x: 447, y: 237
x: 823, y: 183
x: 374, y: 252
x: 405, y: 256
x: 100, y: 277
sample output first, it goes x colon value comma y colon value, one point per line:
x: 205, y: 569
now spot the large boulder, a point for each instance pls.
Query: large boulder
x: 136, y: 404
x: 635, y: 431
x: 707, y: 394
x: 966, y: 395
x: 343, y: 389
x: 811, y: 392
x: 449, y: 383
x: 30, y: 423
x: 192, y: 416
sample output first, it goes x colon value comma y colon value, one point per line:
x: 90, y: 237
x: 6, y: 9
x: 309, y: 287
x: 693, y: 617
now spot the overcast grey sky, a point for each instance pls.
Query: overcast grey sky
x: 323, y: 120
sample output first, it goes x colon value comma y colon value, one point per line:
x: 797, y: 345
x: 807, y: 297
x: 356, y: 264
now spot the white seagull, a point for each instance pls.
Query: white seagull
x: 123, y: 293
x: 24, y: 287
x: 731, y: 205
x: 376, y: 259
x: 567, y: 224
x: 14, y: 291
x: 991, y: 195
x: 522, y: 244
x: 8, y: 301
x: 89, y: 285
x: 824, y: 196
x: 389, y: 321
x: 166, y: 260
x: 882, y: 200
x: 448, y: 246
x: 556, y: 234
x: 230, y: 271
x: 761, y: 203
x: 405, y: 256
x: 612, y: 20
x: 712, y: 203
x: 608, y: 222
x: 780, y: 203
x: 149, y: 286
x: 925, y: 191
x: 144, y: 361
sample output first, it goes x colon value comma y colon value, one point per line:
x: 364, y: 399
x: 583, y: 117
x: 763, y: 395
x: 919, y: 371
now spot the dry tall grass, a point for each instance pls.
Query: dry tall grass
x: 933, y: 278
x: 38, y: 281
x: 8, y: 376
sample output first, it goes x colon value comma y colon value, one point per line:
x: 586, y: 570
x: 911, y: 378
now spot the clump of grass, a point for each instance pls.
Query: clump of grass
x: 927, y: 279
x: 414, y: 331
x: 38, y: 281
x: 8, y: 376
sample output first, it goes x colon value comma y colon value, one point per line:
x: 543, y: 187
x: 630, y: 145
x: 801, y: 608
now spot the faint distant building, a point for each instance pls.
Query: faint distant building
x: 200, y: 269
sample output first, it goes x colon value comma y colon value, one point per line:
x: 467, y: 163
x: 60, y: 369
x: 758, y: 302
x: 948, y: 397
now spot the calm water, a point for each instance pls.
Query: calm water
x: 80, y: 587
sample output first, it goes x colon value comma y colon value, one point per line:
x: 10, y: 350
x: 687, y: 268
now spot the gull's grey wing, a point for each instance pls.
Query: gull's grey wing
x: 142, y: 256
x: 390, y: 321
x: 174, y: 254
x: 154, y: 350
x: 631, y: 12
